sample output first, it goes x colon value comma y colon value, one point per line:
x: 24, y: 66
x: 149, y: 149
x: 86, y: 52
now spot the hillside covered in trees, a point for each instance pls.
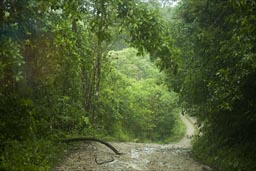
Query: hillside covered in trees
x: 122, y: 70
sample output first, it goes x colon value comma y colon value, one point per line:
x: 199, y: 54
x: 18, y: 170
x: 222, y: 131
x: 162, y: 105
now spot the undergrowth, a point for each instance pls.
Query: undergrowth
x: 224, y: 157
x: 179, y: 129
x: 30, y: 155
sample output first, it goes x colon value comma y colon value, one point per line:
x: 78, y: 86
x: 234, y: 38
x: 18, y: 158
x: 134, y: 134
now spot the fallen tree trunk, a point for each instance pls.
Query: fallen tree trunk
x: 92, y: 139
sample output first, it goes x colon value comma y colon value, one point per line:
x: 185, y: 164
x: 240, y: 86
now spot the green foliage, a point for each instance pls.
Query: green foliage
x: 30, y: 155
x: 136, y: 100
x: 178, y: 130
x: 215, y: 78
x: 223, y: 157
x: 17, y: 118
x: 40, y: 93
x: 57, y: 79
x: 128, y: 63
x: 11, y: 61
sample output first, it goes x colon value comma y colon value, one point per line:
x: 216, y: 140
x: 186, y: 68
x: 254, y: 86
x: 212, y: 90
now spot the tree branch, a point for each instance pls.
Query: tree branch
x: 92, y: 139
x: 105, y: 161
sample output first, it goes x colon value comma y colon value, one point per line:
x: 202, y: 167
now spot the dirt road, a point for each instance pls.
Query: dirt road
x: 136, y: 157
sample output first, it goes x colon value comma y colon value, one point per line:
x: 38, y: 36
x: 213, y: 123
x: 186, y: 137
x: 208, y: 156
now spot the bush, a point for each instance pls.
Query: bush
x: 29, y: 155
x: 223, y: 157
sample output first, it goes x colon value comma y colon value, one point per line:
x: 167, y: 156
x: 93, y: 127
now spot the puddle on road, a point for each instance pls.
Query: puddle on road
x: 134, y: 154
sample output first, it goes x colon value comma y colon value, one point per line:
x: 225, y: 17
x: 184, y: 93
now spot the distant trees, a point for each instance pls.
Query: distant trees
x: 136, y: 100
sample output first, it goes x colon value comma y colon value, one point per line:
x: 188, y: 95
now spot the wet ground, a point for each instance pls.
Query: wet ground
x: 136, y: 157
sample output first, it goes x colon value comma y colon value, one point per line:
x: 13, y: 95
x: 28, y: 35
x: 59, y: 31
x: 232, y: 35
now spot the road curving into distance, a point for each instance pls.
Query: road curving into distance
x: 136, y: 157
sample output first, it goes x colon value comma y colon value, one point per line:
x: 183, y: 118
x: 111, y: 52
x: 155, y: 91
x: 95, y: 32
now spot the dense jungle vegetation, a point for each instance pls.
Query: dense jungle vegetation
x: 92, y: 68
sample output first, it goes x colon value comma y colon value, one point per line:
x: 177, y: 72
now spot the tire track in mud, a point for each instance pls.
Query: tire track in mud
x: 136, y: 157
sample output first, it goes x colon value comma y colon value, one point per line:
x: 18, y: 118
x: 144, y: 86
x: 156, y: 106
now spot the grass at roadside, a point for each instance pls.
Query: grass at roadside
x: 179, y: 128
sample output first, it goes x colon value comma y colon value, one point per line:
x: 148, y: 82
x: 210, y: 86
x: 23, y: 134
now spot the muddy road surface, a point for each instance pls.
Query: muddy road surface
x: 136, y: 157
